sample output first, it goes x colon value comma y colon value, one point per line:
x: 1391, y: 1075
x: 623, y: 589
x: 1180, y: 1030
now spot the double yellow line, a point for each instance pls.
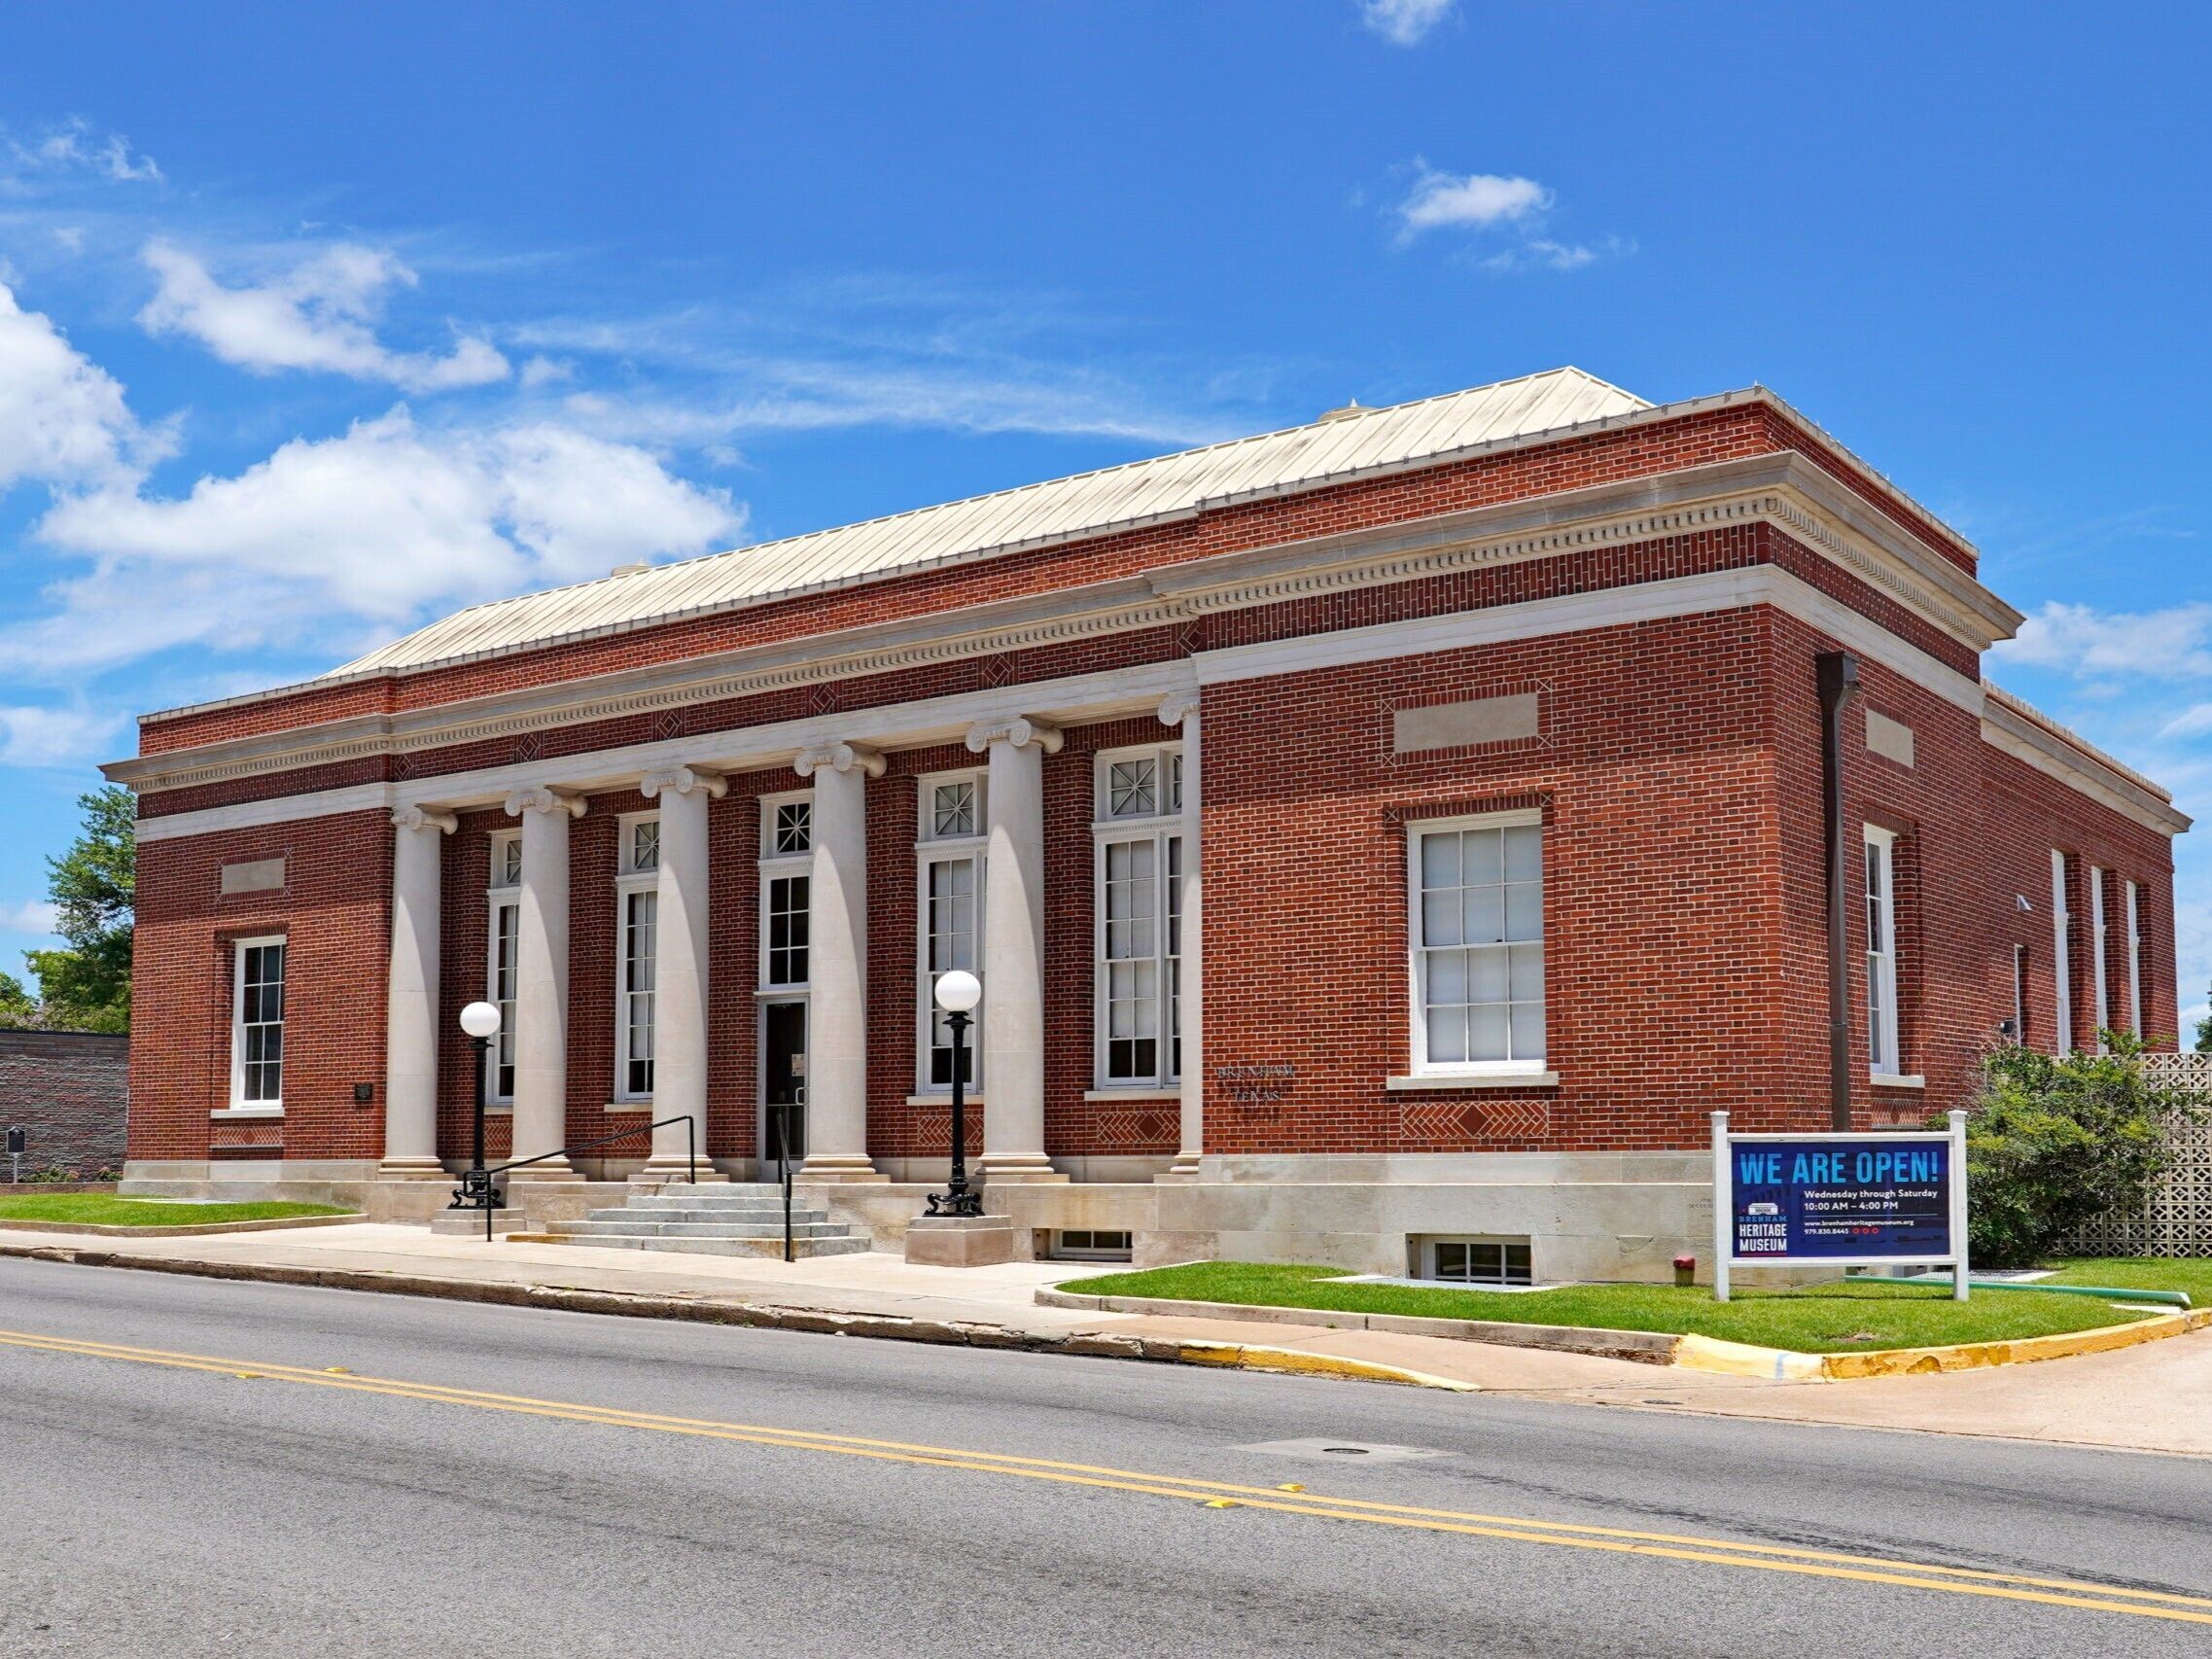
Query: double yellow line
x: 1220, y: 1495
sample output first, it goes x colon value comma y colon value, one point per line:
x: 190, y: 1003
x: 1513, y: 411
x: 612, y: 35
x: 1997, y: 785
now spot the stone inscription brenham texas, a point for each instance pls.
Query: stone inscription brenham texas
x: 1267, y: 1081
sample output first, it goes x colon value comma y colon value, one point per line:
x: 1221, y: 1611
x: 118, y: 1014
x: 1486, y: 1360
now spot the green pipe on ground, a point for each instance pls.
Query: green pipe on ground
x: 2163, y: 1299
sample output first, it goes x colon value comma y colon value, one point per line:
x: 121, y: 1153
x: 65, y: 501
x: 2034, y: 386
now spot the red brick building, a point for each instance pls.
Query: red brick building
x: 1399, y: 830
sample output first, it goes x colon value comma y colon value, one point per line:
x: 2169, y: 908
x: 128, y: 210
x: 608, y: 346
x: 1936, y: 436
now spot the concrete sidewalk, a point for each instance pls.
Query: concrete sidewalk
x: 2140, y: 1398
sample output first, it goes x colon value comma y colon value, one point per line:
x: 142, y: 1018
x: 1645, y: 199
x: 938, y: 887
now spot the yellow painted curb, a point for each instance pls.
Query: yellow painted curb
x: 1298, y: 1362
x: 1783, y: 1365
x: 1968, y: 1355
x: 1743, y: 1360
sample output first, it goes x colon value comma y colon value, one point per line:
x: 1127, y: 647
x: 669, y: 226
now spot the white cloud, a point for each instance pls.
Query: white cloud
x: 75, y: 143
x: 319, y: 315
x: 31, y: 916
x: 62, y: 418
x: 1473, y: 200
x: 2079, y: 640
x: 70, y: 735
x: 1404, y: 22
x: 334, y: 541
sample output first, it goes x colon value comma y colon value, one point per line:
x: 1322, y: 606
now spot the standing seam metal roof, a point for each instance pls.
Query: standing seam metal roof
x: 1137, y: 492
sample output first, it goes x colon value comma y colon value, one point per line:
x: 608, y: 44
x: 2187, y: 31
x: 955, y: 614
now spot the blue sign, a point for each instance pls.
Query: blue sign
x: 1839, y: 1199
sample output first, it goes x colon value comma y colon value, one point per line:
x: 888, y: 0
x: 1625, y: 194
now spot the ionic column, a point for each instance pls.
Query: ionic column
x: 1013, y: 949
x: 542, y: 980
x: 1182, y: 710
x: 837, y: 963
x: 679, y: 971
x: 410, y: 1008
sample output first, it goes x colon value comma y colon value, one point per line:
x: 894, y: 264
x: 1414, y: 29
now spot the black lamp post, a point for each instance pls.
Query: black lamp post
x: 957, y: 993
x: 481, y: 1021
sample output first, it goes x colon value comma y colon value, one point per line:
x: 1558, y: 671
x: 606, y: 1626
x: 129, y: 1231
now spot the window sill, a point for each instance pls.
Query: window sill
x: 629, y: 1105
x: 236, y: 1113
x: 1476, y: 1080
x: 1133, y: 1094
x: 1897, y: 1081
x: 944, y: 1099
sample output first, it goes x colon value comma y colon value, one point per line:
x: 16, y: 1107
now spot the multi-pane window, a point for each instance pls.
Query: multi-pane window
x: 2061, y: 958
x: 955, y: 817
x: 637, y: 899
x: 1478, y: 936
x: 790, y: 828
x: 257, y: 1024
x: 504, y: 936
x: 951, y: 911
x: 784, y: 930
x: 2134, y: 961
x: 1479, y: 1261
x: 2100, y: 1002
x: 1881, y: 952
x: 1138, y: 970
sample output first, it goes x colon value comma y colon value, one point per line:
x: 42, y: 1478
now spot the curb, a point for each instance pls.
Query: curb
x: 195, y: 1230
x: 763, y: 1315
x: 1783, y: 1365
x: 1645, y: 1347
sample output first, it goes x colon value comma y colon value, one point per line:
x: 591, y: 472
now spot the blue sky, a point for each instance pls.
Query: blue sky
x: 317, y: 322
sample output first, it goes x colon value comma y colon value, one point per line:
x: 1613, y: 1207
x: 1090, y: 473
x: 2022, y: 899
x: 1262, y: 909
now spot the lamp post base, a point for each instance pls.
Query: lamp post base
x: 961, y: 1241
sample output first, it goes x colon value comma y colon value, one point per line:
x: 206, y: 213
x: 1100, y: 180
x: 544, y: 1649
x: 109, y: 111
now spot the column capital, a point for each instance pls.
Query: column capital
x: 423, y: 817
x: 1177, y: 707
x: 540, y: 799
x: 839, y: 757
x: 1019, y: 733
x: 683, y: 780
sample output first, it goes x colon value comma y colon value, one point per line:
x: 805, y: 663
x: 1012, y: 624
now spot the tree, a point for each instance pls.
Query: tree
x: 87, y: 986
x: 2204, y: 1035
x: 18, y: 1007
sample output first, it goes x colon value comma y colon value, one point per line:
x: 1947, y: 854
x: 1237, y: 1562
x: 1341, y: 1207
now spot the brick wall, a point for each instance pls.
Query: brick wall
x: 68, y: 1092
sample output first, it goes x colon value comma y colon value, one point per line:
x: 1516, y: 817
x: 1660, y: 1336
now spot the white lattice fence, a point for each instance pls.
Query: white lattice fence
x: 2176, y: 1219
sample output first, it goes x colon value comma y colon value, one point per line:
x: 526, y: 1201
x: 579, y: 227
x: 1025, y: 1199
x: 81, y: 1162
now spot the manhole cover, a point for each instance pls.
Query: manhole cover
x: 1342, y: 1450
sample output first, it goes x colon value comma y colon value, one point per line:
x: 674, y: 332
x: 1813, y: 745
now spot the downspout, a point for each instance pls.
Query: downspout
x: 1839, y: 675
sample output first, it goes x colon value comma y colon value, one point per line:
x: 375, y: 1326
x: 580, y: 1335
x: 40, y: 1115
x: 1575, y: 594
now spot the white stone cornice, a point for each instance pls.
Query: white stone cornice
x: 839, y: 757
x: 422, y: 818
x: 1019, y: 732
x: 1177, y: 707
x: 540, y: 799
x: 683, y: 780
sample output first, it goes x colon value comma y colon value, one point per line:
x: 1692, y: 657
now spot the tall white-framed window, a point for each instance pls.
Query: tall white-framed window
x: 948, y: 867
x: 2135, y: 919
x: 1476, y: 929
x: 786, y: 841
x: 1881, y: 951
x: 2061, y: 960
x: 502, y: 937
x: 257, y: 1024
x: 1137, y: 970
x: 2100, y: 1004
x: 637, y: 911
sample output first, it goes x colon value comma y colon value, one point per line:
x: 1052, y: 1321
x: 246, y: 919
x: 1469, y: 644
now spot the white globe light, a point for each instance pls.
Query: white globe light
x: 480, y: 1020
x: 958, y: 991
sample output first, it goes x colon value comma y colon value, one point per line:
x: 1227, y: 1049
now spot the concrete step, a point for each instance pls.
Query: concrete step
x: 697, y: 1229
x: 721, y: 1198
x: 803, y: 1247
x: 704, y: 1212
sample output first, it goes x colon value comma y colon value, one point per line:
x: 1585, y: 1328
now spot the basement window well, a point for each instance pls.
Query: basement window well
x: 1072, y: 1244
x: 1476, y: 1261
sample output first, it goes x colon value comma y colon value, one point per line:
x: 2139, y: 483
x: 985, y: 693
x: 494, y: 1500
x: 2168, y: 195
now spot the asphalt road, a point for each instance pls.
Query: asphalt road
x: 511, y: 1482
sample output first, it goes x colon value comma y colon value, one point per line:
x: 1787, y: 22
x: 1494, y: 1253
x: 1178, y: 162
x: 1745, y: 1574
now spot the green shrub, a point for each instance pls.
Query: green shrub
x: 2056, y: 1144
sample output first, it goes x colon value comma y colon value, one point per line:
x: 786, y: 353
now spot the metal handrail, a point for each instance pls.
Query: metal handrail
x: 690, y: 1137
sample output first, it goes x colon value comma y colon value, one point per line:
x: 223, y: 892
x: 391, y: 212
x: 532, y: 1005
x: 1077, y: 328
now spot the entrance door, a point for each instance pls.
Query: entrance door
x: 784, y: 1079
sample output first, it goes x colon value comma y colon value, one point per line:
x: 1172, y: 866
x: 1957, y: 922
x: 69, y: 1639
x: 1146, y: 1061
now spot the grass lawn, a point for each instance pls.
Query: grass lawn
x: 1826, y: 1318
x: 2140, y: 1273
x: 106, y: 1210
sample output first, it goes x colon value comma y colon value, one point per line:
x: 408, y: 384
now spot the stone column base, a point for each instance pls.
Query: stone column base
x: 1016, y: 1169
x: 677, y: 1172
x: 412, y: 1169
x: 837, y: 1167
x: 552, y: 1169
x: 961, y: 1241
